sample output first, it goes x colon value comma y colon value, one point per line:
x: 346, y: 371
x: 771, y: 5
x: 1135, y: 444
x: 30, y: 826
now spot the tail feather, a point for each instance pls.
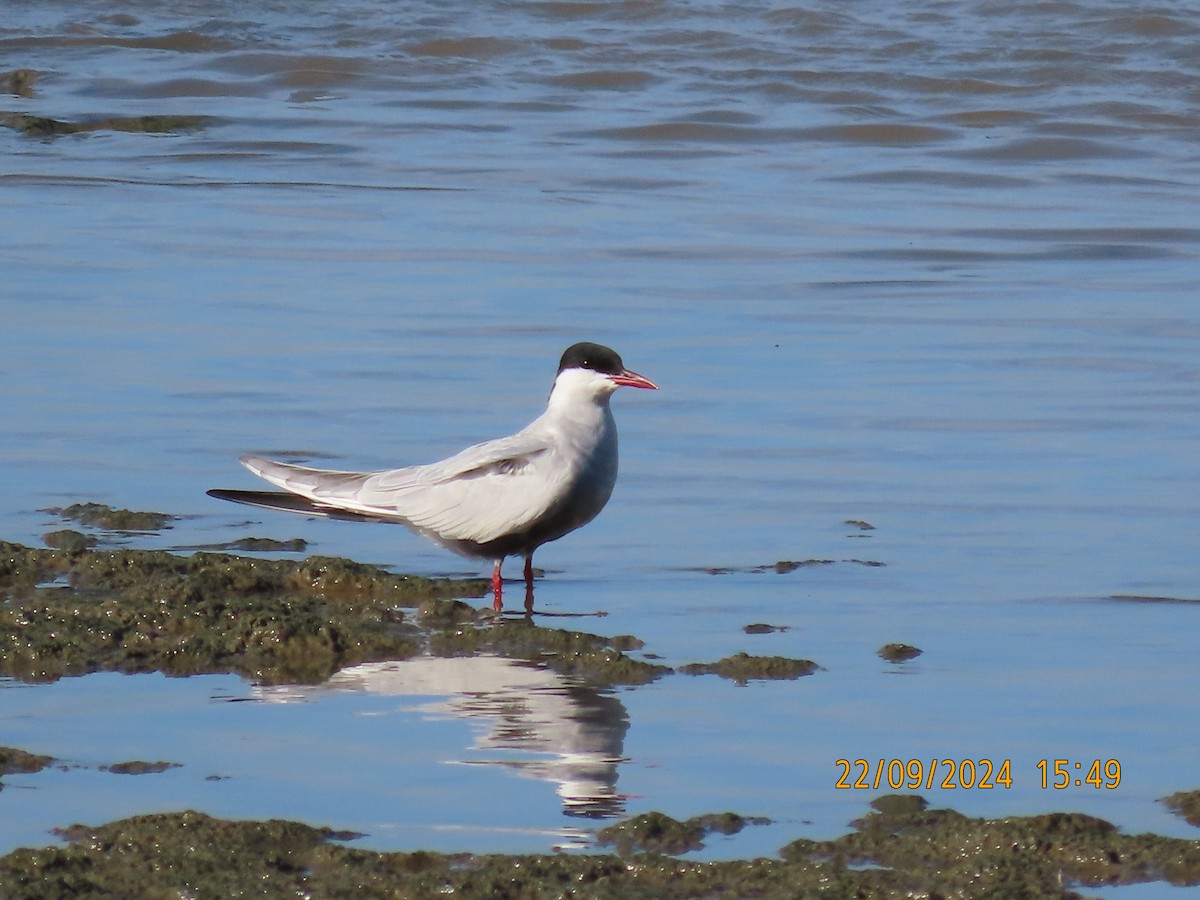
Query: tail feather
x: 331, y: 486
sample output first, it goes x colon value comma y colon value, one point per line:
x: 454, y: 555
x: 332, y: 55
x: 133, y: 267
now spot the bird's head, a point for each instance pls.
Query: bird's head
x: 594, y: 370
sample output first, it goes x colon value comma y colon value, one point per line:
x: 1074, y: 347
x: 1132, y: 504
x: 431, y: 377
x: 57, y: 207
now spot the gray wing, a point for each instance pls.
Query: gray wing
x: 483, y: 493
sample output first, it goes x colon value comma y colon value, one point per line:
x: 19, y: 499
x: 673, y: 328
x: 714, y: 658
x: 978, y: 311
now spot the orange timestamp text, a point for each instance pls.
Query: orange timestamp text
x: 971, y: 774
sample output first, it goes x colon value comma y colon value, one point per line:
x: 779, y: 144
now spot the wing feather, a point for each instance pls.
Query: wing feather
x: 484, y: 493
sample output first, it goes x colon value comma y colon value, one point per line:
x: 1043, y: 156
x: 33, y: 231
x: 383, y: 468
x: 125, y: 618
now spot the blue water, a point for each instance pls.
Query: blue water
x: 931, y: 271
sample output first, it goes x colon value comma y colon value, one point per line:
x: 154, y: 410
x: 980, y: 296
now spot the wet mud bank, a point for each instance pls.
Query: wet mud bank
x: 899, y: 849
x: 73, y: 609
x: 71, y: 612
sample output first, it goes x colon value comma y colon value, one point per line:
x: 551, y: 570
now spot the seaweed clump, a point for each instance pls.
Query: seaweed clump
x: 139, y: 611
x: 458, y: 630
x: 69, y: 539
x: 1186, y: 804
x: 901, y: 849
x: 654, y: 832
x: 942, y: 852
x: 139, y: 767
x: 21, y: 762
x: 743, y: 668
x: 898, y: 653
x: 75, y: 611
x: 98, y: 515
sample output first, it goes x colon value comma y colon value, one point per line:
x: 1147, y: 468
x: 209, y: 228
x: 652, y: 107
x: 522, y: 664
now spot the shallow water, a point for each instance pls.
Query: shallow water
x: 932, y: 267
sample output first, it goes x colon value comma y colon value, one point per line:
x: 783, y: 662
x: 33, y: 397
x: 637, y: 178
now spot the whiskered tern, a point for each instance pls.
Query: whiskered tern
x: 501, y: 498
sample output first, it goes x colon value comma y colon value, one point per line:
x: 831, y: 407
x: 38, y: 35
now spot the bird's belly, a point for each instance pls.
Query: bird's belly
x: 575, y: 509
x: 583, y: 505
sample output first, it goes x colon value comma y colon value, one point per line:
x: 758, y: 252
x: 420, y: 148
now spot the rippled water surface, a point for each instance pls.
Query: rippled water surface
x: 931, y: 266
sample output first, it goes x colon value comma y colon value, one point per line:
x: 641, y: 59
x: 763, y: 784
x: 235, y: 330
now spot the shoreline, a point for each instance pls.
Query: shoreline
x: 900, y: 848
x: 74, y: 609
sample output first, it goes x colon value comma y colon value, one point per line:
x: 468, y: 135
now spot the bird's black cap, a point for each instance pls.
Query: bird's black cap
x: 597, y: 357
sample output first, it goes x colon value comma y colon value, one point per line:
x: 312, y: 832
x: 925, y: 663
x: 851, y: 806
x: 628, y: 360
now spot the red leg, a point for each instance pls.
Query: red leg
x: 497, y: 602
x: 529, y: 583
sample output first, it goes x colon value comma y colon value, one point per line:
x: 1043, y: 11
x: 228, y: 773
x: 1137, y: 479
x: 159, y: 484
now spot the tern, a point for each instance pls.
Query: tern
x: 504, y: 497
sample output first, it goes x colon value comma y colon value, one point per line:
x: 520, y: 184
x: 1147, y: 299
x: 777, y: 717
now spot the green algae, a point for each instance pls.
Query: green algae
x: 625, y: 642
x: 21, y: 762
x: 743, y: 668
x: 75, y: 611
x: 139, y: 767
x: 98, y: 515
x: 458, y: 630
x: 69, y: 539
x: 274, y: 621
x: 941, y: 852
x: 1186, y: 804
x: 901, y: 849
x: 301, y: 620
x: 762, y: 628
x: 898, y: 653
x: 139, y: 611
x: 791, y: 565
x: 436, y: 613
x: 654, y: 832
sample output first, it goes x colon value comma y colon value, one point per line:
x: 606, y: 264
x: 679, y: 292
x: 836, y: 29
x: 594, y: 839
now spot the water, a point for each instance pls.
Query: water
x: 928, y: 266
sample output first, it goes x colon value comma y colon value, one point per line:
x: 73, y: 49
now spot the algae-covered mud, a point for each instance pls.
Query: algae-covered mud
x: 742, y: 667
x: 74, y: 612
x: 919, y: 290
x: 80, y: 610
x: 44, y: 126
x: 20, y: 762
x: 654, y: 832
x: 899, y: 849
x: 100, y: 515
x: 898, y: 653
x: 1186, y: 804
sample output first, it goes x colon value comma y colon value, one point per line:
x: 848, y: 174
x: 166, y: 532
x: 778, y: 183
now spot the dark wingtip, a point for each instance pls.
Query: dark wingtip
x: 288, y: 502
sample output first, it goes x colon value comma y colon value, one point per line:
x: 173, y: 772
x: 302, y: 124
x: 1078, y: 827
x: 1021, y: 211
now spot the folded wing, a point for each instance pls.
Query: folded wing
x: 481, y: 494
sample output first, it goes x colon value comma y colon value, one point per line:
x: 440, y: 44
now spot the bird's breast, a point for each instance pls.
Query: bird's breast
x: 588, y: 458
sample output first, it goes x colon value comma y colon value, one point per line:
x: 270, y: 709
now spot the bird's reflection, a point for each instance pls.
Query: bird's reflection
x: 579, y: 730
